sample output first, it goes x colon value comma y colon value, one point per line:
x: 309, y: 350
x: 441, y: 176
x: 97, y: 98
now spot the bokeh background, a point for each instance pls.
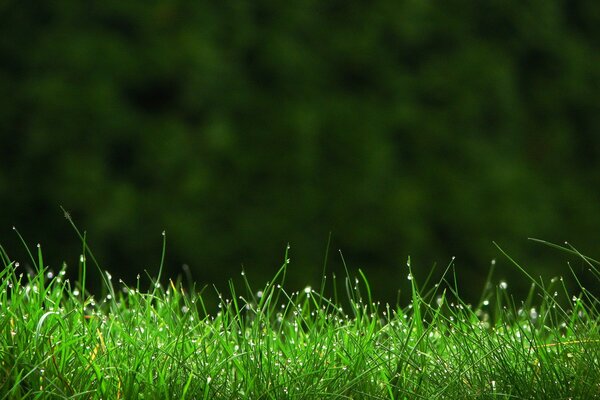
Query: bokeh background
x: 417, y: 128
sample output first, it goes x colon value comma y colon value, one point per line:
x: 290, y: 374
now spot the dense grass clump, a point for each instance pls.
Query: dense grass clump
x: 59, y: 341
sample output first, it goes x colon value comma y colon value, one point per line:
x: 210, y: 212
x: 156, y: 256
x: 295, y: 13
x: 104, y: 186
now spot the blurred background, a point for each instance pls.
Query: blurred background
x: 417, y: 128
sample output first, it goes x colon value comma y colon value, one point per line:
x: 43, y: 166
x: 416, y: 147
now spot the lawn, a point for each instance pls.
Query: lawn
x: 58, y: 341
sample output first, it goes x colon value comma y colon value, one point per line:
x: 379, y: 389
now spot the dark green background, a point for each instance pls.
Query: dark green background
x: 415, y: 128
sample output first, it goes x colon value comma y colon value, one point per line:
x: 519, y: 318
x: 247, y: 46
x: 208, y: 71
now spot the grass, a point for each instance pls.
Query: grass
x: 58, y: 341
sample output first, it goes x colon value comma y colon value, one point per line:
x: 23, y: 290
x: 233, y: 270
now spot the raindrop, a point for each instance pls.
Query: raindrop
x: 533, y: 314
x: 503, y: 285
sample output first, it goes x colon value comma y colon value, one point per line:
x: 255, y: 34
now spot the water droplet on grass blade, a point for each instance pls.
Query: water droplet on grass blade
x: 503, y: 285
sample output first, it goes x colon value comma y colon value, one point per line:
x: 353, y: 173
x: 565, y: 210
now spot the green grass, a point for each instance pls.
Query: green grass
x: 58, y: 341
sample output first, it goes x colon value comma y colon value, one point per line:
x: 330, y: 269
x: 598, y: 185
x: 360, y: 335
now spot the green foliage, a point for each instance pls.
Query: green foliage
x: 415, y: 126
x: 58, y: 341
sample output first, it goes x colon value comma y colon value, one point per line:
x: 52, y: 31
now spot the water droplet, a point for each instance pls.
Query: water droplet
x: 50, y: 275
x: 533, y: 314
x: 307, y: 290
x: 409, y: 277
x: 486, y: 302
x: 242, y: 273
x: 503, y: 285
x: 164, y: 233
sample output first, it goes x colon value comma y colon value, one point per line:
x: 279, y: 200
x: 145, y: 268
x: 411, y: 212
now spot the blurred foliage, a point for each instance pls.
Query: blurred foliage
x: 403, y: 127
